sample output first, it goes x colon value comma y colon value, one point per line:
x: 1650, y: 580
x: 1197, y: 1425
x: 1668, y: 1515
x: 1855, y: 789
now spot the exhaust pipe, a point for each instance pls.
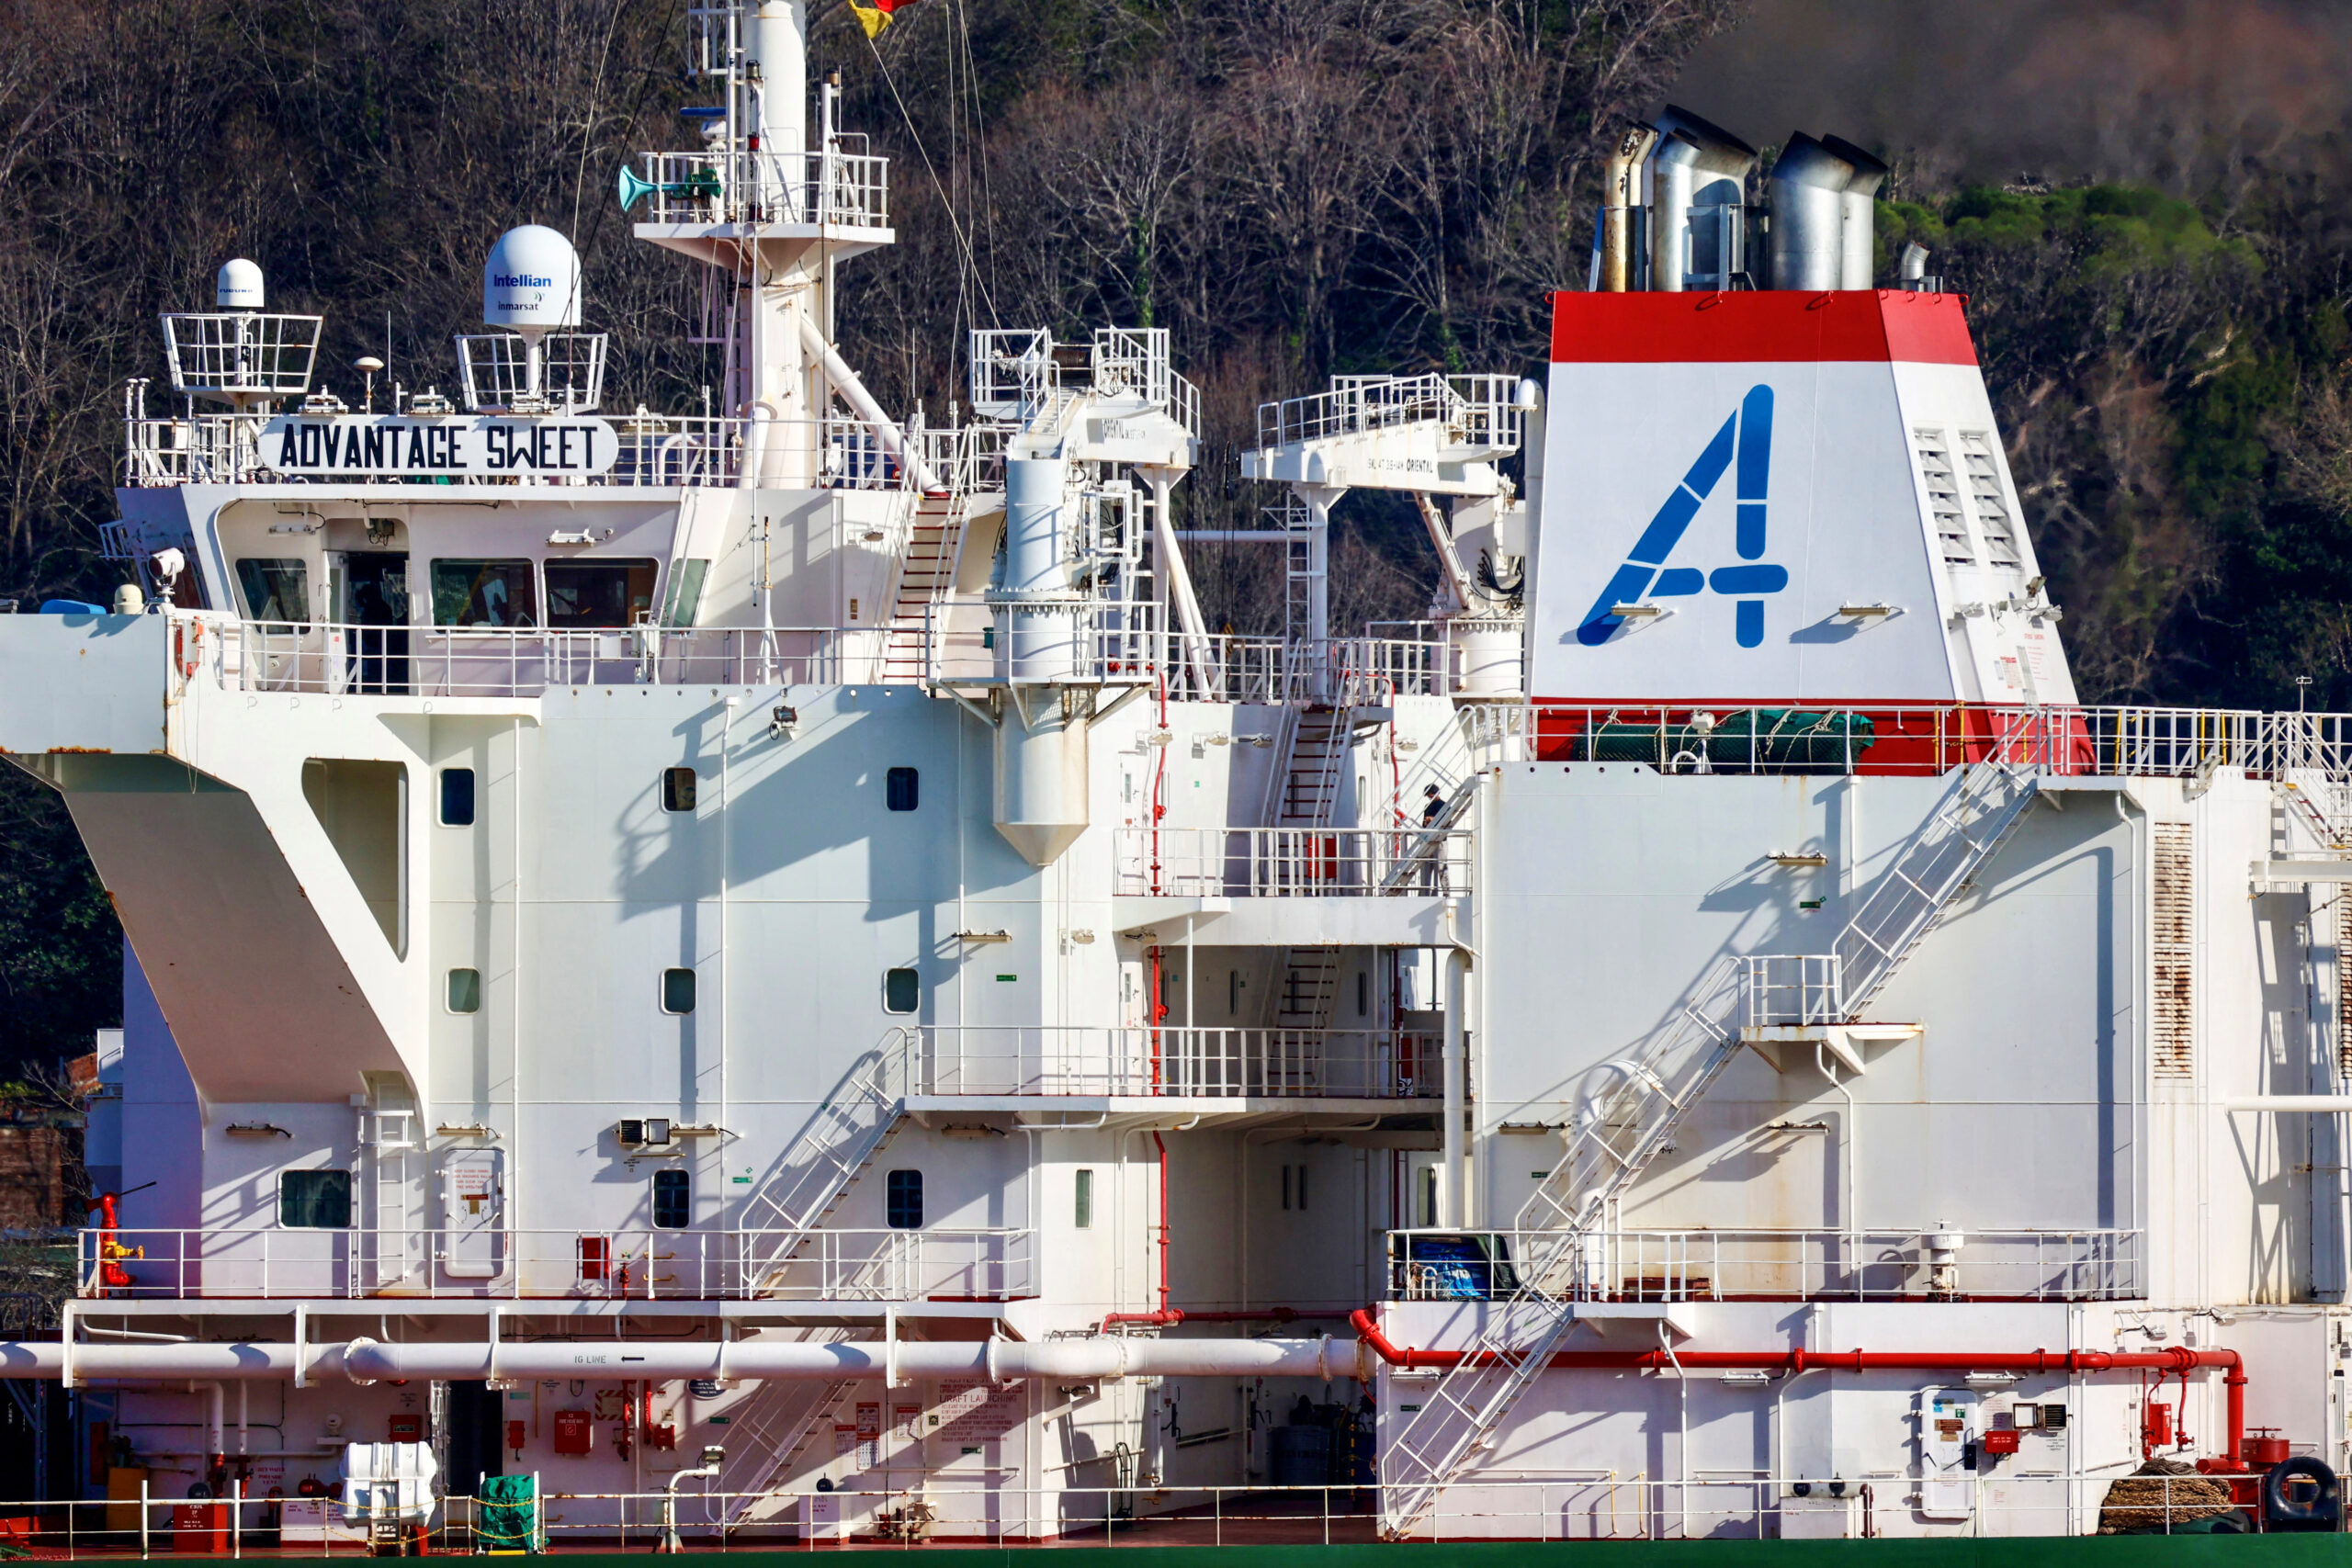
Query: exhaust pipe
x: 1858, y: 211
x: 1808, y: 186
x: 1698, y: 178
x: 1617, y: 211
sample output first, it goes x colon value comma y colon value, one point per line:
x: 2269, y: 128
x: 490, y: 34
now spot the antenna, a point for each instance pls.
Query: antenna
x: 530, y: 285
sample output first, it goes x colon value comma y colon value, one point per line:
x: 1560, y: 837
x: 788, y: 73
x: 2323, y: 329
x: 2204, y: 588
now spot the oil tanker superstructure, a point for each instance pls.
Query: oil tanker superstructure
x: 766, y: 964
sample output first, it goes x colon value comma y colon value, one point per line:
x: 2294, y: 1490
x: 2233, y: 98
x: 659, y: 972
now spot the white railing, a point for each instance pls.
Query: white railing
x: 1785, y: 988
x: 1014, y: 1060
x: 241, y: 353
x: 653, y: 450
x: 1821, y: 1264
x: 1479, y: 411
x: 1105, y: 642
x: 485, y: 661
x: 1100, y: 1500
x: 2159, y: 742
x: 1299, y: 863
x: 844, y: 189
x: 562, y: 373
x: 946, y: 1263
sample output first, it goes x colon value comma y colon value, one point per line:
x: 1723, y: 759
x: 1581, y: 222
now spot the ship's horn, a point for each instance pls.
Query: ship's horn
x: 633, y: 186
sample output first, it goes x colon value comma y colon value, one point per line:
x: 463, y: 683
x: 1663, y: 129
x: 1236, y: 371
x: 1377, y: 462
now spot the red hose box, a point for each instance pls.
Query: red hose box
x: 406, y: 1429
x: 572, y: 1434
x: 2002, y: 1440
x: 200, y: 1527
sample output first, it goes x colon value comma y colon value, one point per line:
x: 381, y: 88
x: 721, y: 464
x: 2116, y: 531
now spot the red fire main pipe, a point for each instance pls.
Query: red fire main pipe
x: 2174, y: 1358
x: 1166, y: 1317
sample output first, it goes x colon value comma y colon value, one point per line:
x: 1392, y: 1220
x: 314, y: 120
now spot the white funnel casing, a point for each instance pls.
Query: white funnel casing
x: 238, y: 286
x: 531, y: 282
x: 1808, y: 190
x: 1858, y: 211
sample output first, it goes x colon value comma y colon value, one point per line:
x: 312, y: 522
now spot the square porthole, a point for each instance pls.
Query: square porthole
x: 465, y: 990
x: 456, y: 797
x: 673, y: 1200
x: 900, y: 785
x: 901, y: 990
x: 677, y: 789
x: 677, y: 990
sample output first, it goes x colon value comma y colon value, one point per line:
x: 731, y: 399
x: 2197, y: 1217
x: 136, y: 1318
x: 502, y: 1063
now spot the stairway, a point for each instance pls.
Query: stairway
x: 842, y: 1137
x: 926, y: 577
x: 771, y: 1429
x: 1622, y: 1129
x: 2323, y: 807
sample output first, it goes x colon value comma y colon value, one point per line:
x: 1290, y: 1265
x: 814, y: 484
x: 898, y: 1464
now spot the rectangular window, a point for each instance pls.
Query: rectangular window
x: 1233, y: 992
x: 673, y: 1200
x: 484, y: 593
x: 456, y: 797
x: 677, y: 990
x: 1285, y: 1187
x: 901, y: 990
x: 1363, y: 993
x: 1302, y: 1188
x: 465, y: 990
x: 1085, y: 1216
x: 600, y: 592
x: 902, y: 1200
x: 1429, y: 1196
x: 314, y: 1199
x: 686, y: 594
x: 900, y: 783
x: 677, y: 789
x: 275, y: 590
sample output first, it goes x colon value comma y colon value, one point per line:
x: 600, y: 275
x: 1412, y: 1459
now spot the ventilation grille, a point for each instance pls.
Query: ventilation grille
x: 1943, y: 497
x: 2344, y: 988
x: 1987, y: 500
x: 2175, y: 955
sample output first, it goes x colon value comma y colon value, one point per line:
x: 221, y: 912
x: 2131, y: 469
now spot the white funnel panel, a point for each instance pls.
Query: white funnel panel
x: 1781, y: 498
x: 237, y: 286
x: 531, y: 281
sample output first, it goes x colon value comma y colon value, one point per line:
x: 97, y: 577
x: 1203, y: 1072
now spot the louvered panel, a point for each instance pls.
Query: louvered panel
x: 2174, y: 951
x: 1987, y: 500
x: 1942, y: 486
x: 2344, y: 988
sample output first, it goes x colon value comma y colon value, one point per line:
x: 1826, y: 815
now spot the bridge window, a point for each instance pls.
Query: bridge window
x: 902, y: 1200
x: 465, y: 990
x: 314, y: 1199
x: 456, y: 797
x: 901, y: 785
x: 677, y: 990
x: 901, y: 990
x: 275, y: 590
x: 484, y: 593
x: 673, y: 1200
x: 600, y: 592
x: 677, y: 789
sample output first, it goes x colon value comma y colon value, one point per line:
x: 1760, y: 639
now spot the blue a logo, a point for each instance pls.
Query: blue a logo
x: 1748, y: 432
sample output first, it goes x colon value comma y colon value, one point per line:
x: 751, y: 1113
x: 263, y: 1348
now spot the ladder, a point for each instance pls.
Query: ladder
x: 841, y: 1138
x: 1621, y: 1131
x: 2325, y: 811
x: 1423, y: 863
x: 926, y: 578
x: 1317, y: 755
x: 784, y: 1416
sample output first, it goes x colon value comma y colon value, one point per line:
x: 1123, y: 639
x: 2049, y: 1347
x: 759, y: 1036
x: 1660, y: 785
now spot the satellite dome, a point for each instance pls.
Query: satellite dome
x: 531, y: 282
x: 237, y: 286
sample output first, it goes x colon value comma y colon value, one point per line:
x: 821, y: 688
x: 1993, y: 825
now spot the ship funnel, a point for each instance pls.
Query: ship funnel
x: 237, y: 286
x: 1697, y: 227
x: 1617, y: 239
x: 1857, y: 209
x: 1808, y: 187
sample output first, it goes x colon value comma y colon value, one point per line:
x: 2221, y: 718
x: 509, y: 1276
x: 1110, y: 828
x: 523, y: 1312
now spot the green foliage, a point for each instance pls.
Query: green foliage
x: 60, y: 951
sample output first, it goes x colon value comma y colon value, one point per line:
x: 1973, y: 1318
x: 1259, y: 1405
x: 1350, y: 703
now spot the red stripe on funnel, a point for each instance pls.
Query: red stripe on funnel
x: 1760, y: 327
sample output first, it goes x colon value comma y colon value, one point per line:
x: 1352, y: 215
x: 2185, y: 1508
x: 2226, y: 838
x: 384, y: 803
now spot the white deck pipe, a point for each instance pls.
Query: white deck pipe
x: 999, y: 1360
x: 853, y: 392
